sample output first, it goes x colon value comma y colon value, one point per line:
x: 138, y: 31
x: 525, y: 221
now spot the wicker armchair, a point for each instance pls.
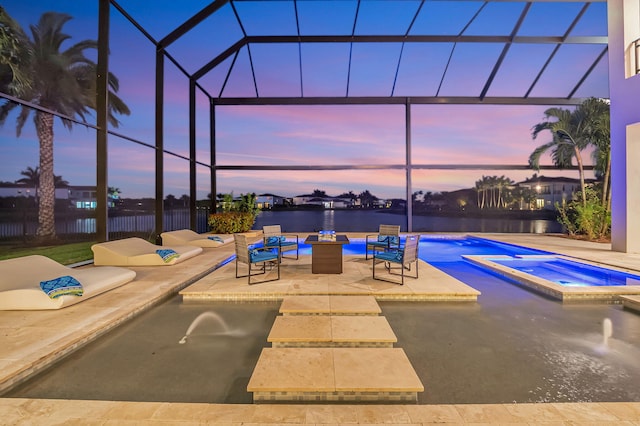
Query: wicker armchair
x: 274, y: 238
x: 388, y: 237
x: 255, y: 256
x: 402, y: 258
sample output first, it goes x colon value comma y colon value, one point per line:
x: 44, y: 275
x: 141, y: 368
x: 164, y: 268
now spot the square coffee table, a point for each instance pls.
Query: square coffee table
x: 326, y: 256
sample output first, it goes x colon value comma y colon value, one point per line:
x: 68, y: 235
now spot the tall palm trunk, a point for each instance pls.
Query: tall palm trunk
x: 606, y: 196
x: 583, y: 186
x: 606, y: 192
x: 46, y: 207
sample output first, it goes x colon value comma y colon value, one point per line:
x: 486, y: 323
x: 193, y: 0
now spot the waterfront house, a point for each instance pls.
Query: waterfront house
x: 552, y: 190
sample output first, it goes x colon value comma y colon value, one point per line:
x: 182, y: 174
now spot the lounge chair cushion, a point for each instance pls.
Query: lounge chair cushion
x: 138, y: 252
x: 20, y: 280
x: 187, y: 237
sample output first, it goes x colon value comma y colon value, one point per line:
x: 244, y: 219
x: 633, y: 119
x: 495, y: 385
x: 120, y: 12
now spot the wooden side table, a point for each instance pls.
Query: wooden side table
x: 326, y: 256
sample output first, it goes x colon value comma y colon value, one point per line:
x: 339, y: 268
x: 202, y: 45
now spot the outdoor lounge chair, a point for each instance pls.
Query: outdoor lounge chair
x: 401, y: 258
x: 388, y: 237
x: 135, y: 251
x: 253, y: 256
x: 21, y: 281
x: 274, y: 238
x: 187, y: 237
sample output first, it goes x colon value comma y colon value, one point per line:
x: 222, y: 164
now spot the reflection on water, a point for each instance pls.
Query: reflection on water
x: 369, y: 221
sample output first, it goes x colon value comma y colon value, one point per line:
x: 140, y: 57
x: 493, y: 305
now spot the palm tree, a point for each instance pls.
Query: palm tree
x: 600, y: 137
x: 32, y: 178
x: 62, y: 81
x: 15, y: 54
x: 481, y: 188
x: 570, y: 135
x: 367, y: 199
x: 113, y: 192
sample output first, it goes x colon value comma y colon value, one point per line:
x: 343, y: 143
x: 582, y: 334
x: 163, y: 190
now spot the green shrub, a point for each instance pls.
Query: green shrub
x: 231, y: 222
x: 234, y: 216
x: 590, y: 220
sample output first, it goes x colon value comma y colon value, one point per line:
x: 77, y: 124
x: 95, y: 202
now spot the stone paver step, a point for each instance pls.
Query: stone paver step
x: 331, y: 331
x: 329, y: 305
x: 334, y: 374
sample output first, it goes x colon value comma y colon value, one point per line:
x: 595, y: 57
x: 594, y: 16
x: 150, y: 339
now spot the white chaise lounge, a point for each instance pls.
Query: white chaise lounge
x: 20, y: 282
x: 191, y: 238
x: 138, y: 252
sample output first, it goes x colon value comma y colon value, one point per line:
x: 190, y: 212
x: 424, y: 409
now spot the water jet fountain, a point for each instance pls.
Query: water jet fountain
x: 219, y: 321
x: 607, y: 329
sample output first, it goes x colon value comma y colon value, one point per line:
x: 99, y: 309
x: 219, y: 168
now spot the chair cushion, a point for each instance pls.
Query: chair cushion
x: 389, y: 239
x: 274, y: 241
x: 256, y: 256
x: 378, y: 244
x: 390, y: 256
x: 61, y: 286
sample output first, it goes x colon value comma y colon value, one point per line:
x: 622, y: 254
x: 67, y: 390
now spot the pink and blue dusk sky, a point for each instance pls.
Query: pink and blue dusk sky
x: 441, y: 134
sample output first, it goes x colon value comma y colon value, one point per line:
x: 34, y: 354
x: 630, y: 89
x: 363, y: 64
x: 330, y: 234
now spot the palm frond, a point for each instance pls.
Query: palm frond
x: 5, y: 109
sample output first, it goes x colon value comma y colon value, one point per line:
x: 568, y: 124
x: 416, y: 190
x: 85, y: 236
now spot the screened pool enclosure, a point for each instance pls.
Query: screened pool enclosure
x: 395, y: 97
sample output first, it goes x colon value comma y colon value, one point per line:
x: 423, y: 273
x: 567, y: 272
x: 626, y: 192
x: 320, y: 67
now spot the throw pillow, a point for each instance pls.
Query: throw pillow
x: 272, y: 241
x: 167, y: 254
x: 65, y: 285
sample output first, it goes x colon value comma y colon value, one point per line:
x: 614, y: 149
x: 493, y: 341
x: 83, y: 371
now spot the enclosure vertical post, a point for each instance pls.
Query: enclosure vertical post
x: 214, y: 189
x: 102, y: 121
x: 159, y: 199
x: 407, y: 110
x: 192, y: 155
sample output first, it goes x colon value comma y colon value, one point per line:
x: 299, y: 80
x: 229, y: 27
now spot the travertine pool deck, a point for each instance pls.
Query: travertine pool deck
x: 296, y: 278
x: 28, y: 342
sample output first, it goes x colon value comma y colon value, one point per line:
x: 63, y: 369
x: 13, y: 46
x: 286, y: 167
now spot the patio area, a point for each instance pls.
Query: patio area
x: 28, y: 345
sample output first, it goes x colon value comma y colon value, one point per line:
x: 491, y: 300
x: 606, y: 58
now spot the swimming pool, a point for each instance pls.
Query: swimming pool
x: 435, y: 248
x: 560, y: 277
x: 463, y: 352
x: 570, y: 273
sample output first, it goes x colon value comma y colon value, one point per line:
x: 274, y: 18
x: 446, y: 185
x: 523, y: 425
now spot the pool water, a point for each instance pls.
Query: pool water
x: 568, y: 273
x: 561, y: 271
x: 464, y: 353
x: 442, y: 248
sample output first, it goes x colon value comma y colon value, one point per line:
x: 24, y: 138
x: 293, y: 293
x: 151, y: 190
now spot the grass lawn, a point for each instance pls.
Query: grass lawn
x: 65, y: 253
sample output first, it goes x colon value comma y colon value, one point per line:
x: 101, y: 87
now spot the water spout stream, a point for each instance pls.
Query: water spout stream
x: 223, y: 328
x: 607, y: 329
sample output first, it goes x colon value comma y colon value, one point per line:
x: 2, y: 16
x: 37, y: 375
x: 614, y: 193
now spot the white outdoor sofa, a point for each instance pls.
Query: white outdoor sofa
x: 135, y: 251
x: 20, y: 280
x: 191, y: 238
